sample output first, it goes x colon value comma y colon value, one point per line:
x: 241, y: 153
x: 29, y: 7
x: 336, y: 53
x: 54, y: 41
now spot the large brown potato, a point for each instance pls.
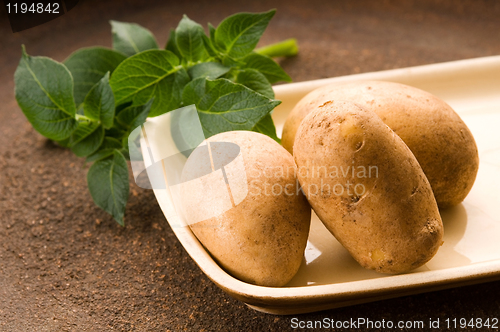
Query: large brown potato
x: 367, y: 188
x: 262, y: 236
x: 439, y: 139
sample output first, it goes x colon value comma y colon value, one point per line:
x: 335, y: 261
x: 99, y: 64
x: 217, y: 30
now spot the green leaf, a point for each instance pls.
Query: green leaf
x: 238, y: 34
x: 110, y: 143
x: 100, y: 103
x: 84, y: 129
x: 88, y: 66
x: 87, y: 138
x: 224, y: 106
x: 125, y: 153
x: 266, y: 126
x: 184, y: 130
x: 210, y: 70
x: 189, y: 40
x: 131, y: 38
x: 154, y: 73
x: 108, y: 146
x: 267, y: 66
x: 108, y: 184
x: 172, y: 45
x: 256, y: 81
x: 121, y: 107
x: 44, y: 92
x: 134, y: 116
x: 230, y: 62
x: 194, y: 91
x: 125, y: 148
x: 210, y: 42
x: 99, y: 155
x: 63, y: 143
x: 211, y: 32
x: 117, y: 131
x: 212, y: 52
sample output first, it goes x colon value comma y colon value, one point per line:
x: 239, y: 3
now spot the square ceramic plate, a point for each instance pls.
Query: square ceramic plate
x: 328, y: 276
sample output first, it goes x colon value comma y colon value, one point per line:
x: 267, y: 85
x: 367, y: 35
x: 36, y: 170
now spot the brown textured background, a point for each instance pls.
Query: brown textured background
x: 67, y: 266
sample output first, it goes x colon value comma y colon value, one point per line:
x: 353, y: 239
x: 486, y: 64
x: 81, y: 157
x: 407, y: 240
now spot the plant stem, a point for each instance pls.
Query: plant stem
x: 286, y: 48
x: 80, y: 117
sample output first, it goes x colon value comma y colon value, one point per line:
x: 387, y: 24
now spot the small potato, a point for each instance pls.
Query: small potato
x: 439, y: 139
x: 368, y: 189
x: 262, y: 235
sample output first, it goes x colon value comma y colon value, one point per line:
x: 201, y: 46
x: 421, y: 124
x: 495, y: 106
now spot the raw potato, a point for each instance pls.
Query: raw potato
x: 262, y: 239
x: 367, y: 188
x: 439, y: 139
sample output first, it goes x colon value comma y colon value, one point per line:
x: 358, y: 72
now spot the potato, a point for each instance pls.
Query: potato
x: 439, y: 139
x: 368, y: 189
x: 261, y: 237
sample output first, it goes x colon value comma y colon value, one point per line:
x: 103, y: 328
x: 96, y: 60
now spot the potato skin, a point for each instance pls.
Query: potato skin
x: 437, y: 136
x: 391, y: 223
x: 262, y: 239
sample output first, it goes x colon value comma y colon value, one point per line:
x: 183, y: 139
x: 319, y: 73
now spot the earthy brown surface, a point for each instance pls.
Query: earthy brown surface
x: 67, y: 266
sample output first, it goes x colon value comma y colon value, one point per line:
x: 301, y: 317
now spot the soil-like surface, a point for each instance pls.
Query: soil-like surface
x: 65, y: 265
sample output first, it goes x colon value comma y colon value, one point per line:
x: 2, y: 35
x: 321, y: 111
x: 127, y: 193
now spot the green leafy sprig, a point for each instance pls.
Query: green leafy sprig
x: 93, y: 100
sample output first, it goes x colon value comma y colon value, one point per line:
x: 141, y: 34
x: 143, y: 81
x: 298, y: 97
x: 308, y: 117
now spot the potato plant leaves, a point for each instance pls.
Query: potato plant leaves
x: 224, y: 106
x: 131, y: 38
x: 98, y: 96
x: 151, y: 74
x: 106, y: 149
x: 44, y: 91
x: 108, y: 184
x: 238, y: 34
x: 266, y: 66
x: 210, y: 70
x: 134, y: 116
x: 266, y: 126
x: 189, y: 40
x: 256, y: 81
x: 87, y: 138
x: 88, y: 66
x: 100, y: 103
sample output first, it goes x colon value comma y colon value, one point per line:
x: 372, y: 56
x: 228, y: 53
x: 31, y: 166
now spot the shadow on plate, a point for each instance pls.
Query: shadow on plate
x: 326, y: 261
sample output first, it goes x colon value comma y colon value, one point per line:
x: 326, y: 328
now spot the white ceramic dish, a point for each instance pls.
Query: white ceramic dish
x: 329, y: 277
